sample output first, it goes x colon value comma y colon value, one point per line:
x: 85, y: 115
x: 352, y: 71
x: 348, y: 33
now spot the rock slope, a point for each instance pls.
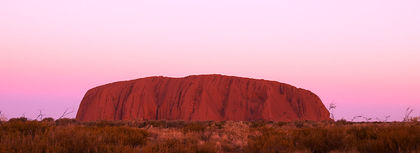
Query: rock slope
x: 200, y: 97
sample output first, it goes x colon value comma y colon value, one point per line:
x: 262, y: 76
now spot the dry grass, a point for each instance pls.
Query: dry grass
x: 69, y: 136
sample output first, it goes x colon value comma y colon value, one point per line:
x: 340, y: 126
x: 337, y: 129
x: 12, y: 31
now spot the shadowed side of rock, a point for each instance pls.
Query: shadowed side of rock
x: 200, y: 97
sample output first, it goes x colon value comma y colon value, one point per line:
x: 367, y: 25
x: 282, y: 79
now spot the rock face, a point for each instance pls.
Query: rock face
x: 200, y: 97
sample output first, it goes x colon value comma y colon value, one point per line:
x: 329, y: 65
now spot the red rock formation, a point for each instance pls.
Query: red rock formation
x: 200, y: 97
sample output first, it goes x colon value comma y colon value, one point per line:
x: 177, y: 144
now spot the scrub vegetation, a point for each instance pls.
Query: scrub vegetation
x: 69, y: 136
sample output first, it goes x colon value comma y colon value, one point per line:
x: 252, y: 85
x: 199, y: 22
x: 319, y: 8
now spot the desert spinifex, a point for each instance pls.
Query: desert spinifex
x: 70, y: 136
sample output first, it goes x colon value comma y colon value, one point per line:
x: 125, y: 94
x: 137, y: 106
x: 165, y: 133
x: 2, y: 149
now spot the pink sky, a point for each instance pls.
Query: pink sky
x: 363, y: 55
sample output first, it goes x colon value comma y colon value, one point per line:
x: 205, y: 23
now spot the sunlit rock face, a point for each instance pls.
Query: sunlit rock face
x: 201, y: 97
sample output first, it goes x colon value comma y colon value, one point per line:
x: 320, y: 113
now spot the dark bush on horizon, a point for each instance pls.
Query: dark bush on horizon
x: 48, y: 119
x: 20, y: 119
x: 65, y: 121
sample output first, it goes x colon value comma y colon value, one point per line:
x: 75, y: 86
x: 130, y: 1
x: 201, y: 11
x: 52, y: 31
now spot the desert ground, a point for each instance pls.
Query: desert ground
x: 70, y: 136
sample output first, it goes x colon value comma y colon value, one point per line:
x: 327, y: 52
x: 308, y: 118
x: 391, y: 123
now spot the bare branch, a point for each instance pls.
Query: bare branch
x: 332, y: 106
x: 65, y: 113
x: 407, y: 114
x: 386, y: 118
x: 40, y: 115
x: 356, y: 117
x: 367, y: 119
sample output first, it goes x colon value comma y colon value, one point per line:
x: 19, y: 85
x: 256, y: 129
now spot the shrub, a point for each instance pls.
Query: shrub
x: 65, y: 121
x: 175, y: 124
x: 415, y: 119
x: 20, y: 119
x: 107, y: 123
x: 179, y: 146
x: 69, y: 136
x: 280, y: 124
x: 38, y: 137
x: 157, y: 123
x: 220, y: 125
x: 227, y: 146
x: 320, y: 140
x: 48, y: 119
x: 195, y: 127
x: 395, y: 138
x: 124, y: 135
x: 342, y: 122
x: 270, y: 141
x: 257, y: 124
x: 299, y: 124
x: 25, y: 128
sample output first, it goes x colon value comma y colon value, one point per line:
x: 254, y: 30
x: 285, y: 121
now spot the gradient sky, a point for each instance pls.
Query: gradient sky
x: 362, y: 55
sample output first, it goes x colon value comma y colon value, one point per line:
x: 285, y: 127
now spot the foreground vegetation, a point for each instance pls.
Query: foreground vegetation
x: 69, y: 136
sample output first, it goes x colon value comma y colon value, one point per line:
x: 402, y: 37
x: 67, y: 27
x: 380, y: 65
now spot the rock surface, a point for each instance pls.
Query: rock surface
x: 200, y: 97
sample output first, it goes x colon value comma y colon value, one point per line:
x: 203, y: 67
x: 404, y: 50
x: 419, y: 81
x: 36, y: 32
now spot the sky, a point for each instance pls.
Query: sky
x: 361, y: 55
